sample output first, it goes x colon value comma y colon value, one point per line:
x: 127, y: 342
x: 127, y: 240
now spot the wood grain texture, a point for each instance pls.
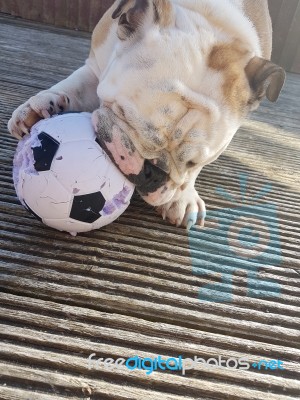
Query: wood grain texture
x: 286, y: 34
x: 73, y: 14
x: 130, y: 288
x: 84, y: 15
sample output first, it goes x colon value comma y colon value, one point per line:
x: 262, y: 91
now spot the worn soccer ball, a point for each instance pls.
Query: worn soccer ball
x: 65, y: 179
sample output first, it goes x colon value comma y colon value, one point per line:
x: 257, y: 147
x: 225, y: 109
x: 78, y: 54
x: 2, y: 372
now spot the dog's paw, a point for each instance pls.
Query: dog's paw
x: 43, y: 105
x: 187, y: 210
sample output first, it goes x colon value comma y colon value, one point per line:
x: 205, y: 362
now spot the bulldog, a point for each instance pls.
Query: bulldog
x: 169, y: 82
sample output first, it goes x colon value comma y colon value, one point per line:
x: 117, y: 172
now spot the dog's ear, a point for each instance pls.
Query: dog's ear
x: 133, y: 14
x: 265, y: 79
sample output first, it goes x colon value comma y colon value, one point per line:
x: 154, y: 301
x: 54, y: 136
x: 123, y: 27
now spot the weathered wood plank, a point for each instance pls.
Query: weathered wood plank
x: 71, y: 346
x: 106, y: 285
x: 281, y: 27
x: 192, y: 386
x: 292, y: 41
x: 85, y: 322
x: 13, y: 393
x: 84, y: 15
x: 159, y: 311
x: 182, y: 281
x: 81, y: 386
x: 274, y: 8
x: 48, y: 12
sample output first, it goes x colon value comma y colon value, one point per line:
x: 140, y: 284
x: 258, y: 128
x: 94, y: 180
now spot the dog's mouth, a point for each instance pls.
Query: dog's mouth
x: 151, y: 182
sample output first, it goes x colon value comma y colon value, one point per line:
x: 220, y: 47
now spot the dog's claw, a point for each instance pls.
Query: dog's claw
x: 200, y: 223
x: 189, y: 224
x: 24, y: 128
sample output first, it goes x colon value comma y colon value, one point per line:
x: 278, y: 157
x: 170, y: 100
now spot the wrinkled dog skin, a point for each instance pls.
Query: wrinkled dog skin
x: 169, y: 83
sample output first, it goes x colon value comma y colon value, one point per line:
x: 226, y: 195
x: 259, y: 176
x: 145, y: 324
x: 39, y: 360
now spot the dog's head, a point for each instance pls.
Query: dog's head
x: 175, y: 91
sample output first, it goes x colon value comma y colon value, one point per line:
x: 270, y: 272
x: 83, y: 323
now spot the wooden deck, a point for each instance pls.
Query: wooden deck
x: 130, y: 288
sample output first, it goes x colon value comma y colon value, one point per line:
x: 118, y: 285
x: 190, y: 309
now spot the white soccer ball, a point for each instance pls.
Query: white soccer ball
x: 64, y: 178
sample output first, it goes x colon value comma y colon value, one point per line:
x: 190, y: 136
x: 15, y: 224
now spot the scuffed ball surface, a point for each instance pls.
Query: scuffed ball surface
x: 64, y: 178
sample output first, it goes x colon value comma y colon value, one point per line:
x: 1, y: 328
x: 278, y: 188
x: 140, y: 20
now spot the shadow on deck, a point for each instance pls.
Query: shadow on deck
x: 143, y: 287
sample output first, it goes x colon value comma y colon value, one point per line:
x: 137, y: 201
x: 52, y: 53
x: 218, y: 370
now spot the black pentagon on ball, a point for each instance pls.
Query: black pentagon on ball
x: 44, y: 154
x: 87, y: 207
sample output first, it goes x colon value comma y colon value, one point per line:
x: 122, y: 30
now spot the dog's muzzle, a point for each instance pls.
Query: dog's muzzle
x: 151, y: 182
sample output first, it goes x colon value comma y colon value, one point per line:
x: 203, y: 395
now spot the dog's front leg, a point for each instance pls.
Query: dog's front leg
x: 78, y: 92
x: 186, y: 207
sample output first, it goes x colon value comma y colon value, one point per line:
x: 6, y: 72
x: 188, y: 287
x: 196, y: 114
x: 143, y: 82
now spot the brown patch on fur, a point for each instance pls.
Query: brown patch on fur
x: 165, y: 12
x: 187, y: 103
x: 101, y: 30
x: 182, y: 187
x: 230, y: 59
x: 190, y: 105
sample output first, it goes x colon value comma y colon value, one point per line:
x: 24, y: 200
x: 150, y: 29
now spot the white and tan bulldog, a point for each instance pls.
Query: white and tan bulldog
x: 169, y: 83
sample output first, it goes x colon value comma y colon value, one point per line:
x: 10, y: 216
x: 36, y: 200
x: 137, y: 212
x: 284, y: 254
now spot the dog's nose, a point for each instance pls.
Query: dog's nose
x: 150, y: 178
x: 149, y: 171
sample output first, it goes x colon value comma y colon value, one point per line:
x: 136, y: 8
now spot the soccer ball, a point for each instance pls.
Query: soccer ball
x: 65, y: 179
